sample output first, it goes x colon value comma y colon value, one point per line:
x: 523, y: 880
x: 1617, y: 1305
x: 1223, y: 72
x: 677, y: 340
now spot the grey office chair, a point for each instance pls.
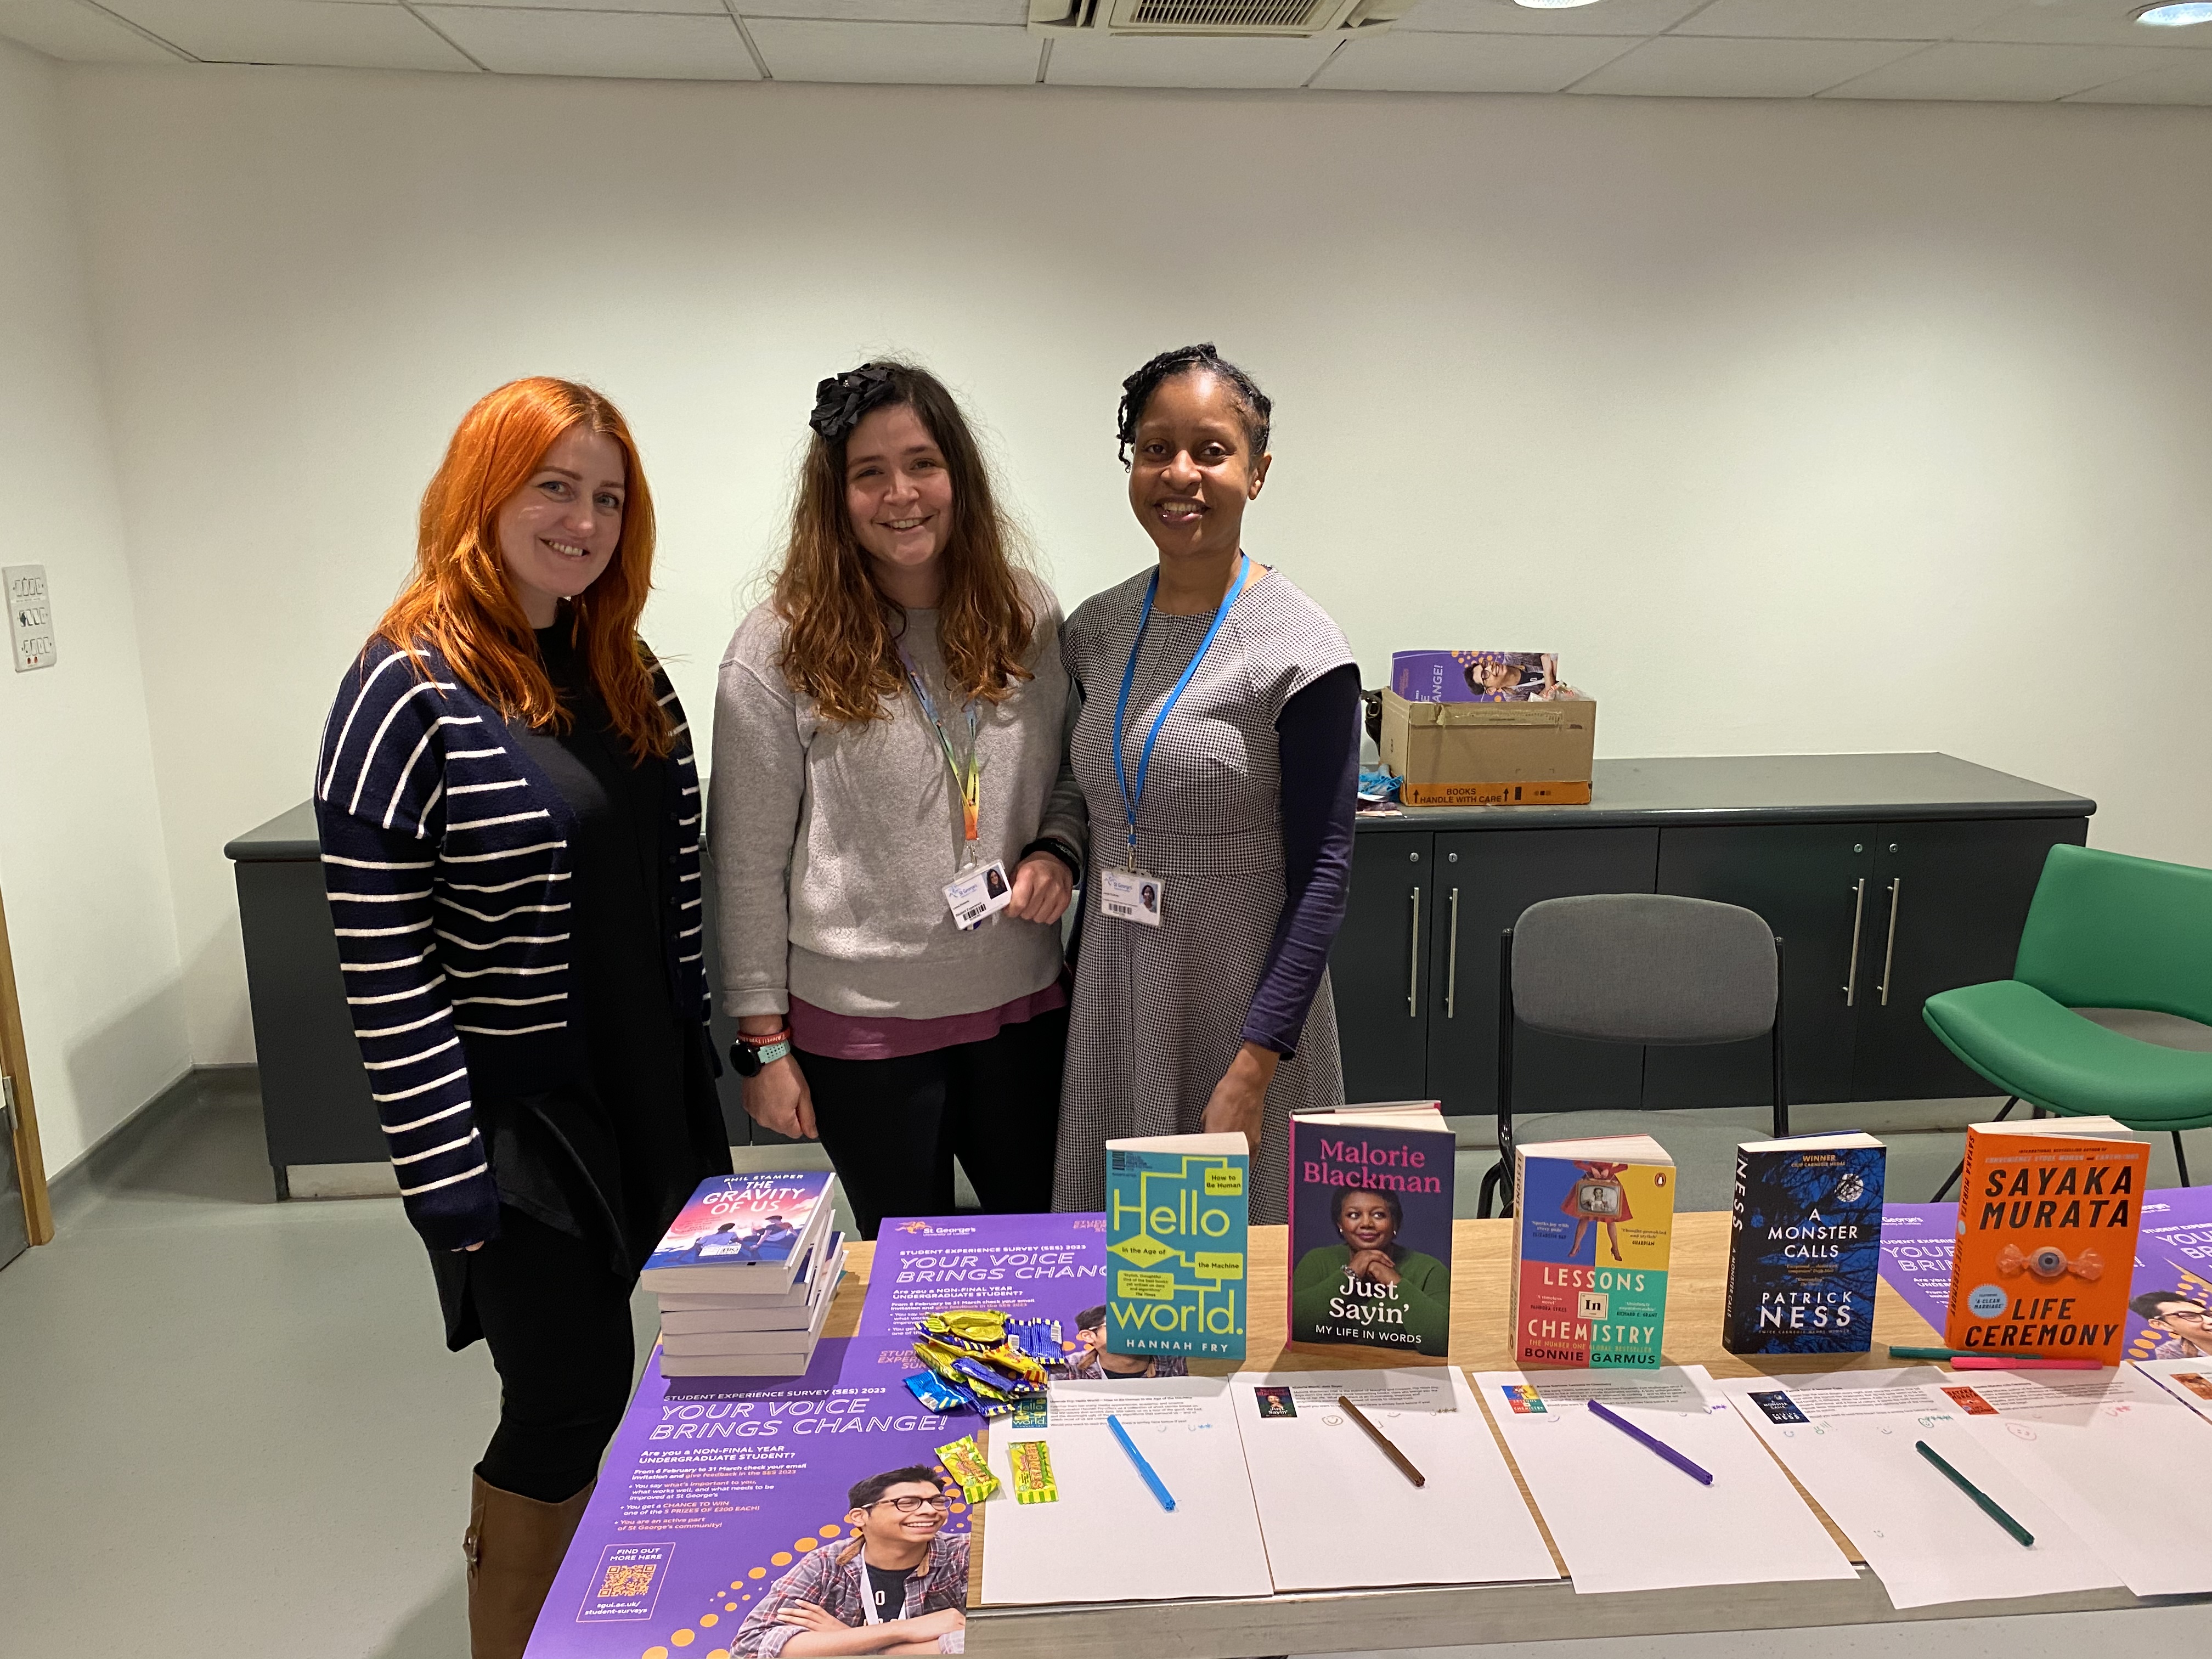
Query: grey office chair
x: 1640, y: 968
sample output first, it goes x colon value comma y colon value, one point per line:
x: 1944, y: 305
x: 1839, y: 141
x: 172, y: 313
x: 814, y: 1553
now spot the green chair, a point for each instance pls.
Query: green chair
x: 2109, y: 1007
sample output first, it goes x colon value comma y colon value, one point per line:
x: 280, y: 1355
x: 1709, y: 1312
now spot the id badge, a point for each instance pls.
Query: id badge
x: 1131, y: 895
x: 975, y: 894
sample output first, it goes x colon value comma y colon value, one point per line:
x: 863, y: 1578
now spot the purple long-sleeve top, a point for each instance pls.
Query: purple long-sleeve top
x: 1317, y: 738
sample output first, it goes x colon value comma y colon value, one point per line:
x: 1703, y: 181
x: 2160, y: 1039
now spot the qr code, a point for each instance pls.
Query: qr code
x: 627, y: 1579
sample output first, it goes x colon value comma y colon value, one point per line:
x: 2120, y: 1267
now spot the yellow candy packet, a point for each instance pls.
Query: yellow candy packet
x: 963, y: 1461
x: 1031, y: 1463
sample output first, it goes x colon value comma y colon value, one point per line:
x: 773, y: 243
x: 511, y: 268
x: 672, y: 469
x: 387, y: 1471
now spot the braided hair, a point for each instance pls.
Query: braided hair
x: 1137, y: 392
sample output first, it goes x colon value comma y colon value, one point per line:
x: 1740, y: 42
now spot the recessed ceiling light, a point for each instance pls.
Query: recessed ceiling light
x: 1564, y: 5
x: 2169, y: 14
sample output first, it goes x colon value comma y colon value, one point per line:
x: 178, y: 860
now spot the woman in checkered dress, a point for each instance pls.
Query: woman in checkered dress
x: 1218, y: 1016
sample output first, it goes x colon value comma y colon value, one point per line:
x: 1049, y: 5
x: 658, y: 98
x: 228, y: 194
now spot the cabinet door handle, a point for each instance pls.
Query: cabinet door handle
x: 1414, y: 961
x: 1889, y: 950
x: 1451, y: 959
x: 1852, y: 978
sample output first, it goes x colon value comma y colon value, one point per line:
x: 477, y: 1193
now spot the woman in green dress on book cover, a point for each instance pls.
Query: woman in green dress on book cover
x: 1370, y: 1287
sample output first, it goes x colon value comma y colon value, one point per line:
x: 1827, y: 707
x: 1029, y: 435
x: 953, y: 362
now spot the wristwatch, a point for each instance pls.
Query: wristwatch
x: 749, y: 1053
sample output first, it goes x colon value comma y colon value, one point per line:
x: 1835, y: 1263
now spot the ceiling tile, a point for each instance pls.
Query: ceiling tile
x: 911, y: 54
x: 77, y: 34
x: 1016, y: 12
x: 336, y: 34
x: 1615, y: 17
x: 1844, y: 20
x: 2186, y: 79
x: 1136, y: 61
x: 1470, y: 62
x: 629, y: 44
x: 2004, y: 73
x: 2087, y: 23
x: 700, y: 8
x: 1677, y: 66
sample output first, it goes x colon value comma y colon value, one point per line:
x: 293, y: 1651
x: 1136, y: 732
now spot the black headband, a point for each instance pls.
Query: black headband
x: 843, y: 399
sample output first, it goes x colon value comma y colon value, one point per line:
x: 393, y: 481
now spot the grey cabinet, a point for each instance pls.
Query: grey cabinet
x: 1888, y: 877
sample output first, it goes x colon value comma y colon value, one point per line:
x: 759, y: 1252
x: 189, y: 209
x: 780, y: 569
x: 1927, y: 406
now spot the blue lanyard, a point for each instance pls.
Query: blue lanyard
x: 1129, y: 800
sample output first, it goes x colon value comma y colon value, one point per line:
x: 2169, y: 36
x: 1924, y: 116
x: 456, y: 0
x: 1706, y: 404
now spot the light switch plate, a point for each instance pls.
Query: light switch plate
x: 30, y: 616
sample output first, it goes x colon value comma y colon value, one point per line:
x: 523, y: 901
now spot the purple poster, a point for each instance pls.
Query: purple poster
x: 718, y: 1490
x: 2172, y: 1272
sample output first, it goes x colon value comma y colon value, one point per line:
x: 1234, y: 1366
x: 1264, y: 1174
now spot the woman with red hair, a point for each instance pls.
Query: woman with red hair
x: 509, y: 818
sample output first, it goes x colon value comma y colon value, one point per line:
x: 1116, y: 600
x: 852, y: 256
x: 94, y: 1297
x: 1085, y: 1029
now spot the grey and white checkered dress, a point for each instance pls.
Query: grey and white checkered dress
x: 1159, y: 1012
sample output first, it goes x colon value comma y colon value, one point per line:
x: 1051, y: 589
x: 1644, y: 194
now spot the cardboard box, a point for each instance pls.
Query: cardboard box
x: 1490, y: 754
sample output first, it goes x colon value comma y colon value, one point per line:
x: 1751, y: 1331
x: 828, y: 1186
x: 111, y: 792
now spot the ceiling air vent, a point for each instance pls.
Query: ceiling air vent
x: 1296, y: 20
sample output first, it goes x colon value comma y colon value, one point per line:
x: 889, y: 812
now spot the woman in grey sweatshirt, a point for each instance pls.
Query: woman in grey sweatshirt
x: 896, y: 830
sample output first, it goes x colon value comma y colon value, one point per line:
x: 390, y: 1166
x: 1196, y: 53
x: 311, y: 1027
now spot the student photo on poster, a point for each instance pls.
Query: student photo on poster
x: 897, y: 1583
x: 1088, y: 1362
x: 2182, y: 1323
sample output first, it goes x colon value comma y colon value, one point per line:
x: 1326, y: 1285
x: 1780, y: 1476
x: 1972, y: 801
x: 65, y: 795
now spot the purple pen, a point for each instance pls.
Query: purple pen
x: 1702, y: 1476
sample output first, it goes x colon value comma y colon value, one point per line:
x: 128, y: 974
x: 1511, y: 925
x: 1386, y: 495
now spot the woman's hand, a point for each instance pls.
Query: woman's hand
x: 1041, y: 889
x: 779, y: 1099
x: 1374, y: 1265
x: 1240, y: 1099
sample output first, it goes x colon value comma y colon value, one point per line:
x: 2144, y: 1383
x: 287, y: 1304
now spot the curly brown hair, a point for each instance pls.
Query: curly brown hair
x: 841, y: 632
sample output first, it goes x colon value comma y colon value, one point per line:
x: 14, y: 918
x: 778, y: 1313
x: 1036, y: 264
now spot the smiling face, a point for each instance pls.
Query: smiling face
x: 558, y: 532
x: 1365, y: 1222
x: 1191, y: 466
x: 882, y: 1524
x: 898, y: 493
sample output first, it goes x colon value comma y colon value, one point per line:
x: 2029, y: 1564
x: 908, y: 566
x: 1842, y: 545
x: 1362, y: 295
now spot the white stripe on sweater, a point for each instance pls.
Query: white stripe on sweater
x: 501, y: 886
x: 423, y: 824
x: 410, y: 1060
x: 519, y: 1031
x: 519, y: 910
x: 478, y: 973
x: 424, y: 1088
x: 510, y: 853
x: 380, y: 933
x: 450, y: 1180
x: 376, y: 898
x: 402, y: 1129
x: 377, y: 742
x: 396, y: 996
x: 514, y: 1002
x: 472, y: 754
x: 337, y: 749
x: 379, y: 967
x: 378, y: 864
x: 483, y: 788
x: 511, y: 939
x: 493, y: 824
x: 442, y: 1146
x: 399, y: 1030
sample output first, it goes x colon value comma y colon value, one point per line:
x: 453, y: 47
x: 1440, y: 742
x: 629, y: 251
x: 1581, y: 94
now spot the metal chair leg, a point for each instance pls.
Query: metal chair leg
x: 2011, y: 1100
x: 1490, y: 1179
x: 2180, y: 1158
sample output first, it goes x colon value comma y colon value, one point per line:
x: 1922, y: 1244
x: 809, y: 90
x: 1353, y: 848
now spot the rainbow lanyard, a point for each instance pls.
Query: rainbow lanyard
x: 967, y: 776
x: 1132, y: 799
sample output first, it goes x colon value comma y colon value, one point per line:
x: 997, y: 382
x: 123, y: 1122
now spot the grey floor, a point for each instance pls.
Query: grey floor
x: 230, y: 1429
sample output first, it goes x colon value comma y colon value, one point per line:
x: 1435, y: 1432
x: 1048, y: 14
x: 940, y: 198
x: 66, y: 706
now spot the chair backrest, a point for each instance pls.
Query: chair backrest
x: 2107, y: 931
x: 1643, y: 968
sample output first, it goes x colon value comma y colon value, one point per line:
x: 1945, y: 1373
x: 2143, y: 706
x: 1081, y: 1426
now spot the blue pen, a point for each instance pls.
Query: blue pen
x: 1598, y: 1410
x: 1159, y: 1489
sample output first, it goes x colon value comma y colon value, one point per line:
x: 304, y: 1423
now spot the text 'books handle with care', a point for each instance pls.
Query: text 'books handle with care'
x: 2048, y: 1214
x: 1372, y: 1227
x: 1176, y: 1207
x: 1594, y: 1225
x: 1804, y: 1245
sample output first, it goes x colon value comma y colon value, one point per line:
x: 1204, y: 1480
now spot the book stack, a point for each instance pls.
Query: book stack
x: 2048, y: 1213
x: 1372, y: 1227
x: 1593, y: 1229
x: 1804, y: 1245
x: 1176, y: 1207
x: 746, y: 1274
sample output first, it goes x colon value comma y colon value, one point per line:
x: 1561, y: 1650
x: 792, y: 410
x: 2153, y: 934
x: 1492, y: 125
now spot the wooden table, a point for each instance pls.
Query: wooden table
x: 1351, y: 1620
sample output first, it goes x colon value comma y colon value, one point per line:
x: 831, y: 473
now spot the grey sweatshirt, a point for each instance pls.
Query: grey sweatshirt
x: 833, y: 843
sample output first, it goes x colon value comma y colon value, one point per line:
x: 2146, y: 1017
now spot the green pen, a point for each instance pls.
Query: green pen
x: 1896, y: 1352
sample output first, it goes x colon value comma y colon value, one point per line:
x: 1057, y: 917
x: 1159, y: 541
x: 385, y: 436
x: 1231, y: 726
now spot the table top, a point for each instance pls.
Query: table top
x: 1344, y: 1620
x: 1700, y: 789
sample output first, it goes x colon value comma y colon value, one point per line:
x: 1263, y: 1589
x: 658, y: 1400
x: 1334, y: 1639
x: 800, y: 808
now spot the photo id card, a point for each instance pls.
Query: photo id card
x: 1131, y: 895
x: 977, y: 893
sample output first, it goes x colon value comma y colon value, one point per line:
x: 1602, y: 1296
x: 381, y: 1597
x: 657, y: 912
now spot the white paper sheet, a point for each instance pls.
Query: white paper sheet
x: 2188, y: 1381
x: 2113, y: 1453
x: 1336, y: 1513
x: 1625, y: 1518
x: 1849, y: 1437
x: 1107, y: 1539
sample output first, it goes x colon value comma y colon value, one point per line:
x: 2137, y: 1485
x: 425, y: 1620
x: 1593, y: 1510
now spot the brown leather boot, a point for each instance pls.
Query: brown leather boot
x: 513, y: 1546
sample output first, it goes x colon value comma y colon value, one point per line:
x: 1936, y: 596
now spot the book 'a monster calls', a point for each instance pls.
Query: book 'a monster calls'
x: 1804, y: 1245
x: 1176, y: 1207
x: 1372, y: 1227
x: 2048, y: 1213
x: 1594, y: 1224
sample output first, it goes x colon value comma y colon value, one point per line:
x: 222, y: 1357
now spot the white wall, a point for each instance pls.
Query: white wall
x: 81, y: 861
x: 1794, y: 426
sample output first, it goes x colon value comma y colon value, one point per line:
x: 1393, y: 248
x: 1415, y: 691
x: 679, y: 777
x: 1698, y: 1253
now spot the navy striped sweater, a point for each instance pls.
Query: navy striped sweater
x: 447, y: 858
